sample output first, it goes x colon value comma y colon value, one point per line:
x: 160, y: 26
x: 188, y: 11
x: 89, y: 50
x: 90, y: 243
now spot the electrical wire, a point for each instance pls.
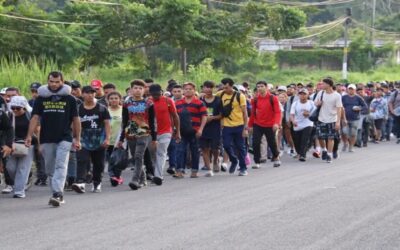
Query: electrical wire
x: 375, y: 30
x: 307, y: 4
x: 96, y: 2
x: 46, y: 21
x: 38, y: 34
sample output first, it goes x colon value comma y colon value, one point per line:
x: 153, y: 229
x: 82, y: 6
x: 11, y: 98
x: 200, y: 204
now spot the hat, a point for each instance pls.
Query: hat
x: 88, y: 89
x: 305, y: 91
x: 189, y: 83
x: 3, y: 91
x: 75, y: 84
x: 35, y: 85
x: 241, y: 88
x: 282, y: 88
x: 18, y: 101
x: 96, y: 84
x: 352, y: 86
x: 270, y: 86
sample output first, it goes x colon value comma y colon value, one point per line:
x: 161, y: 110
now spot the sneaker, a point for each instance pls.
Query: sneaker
x: 56, y: 200
x: 134, y: 185
x: 178, y: 175
x: 328, y: 159
x: 232, y: 168
x: 316, y: 154
x: 257, y: 166
x: 335, y: 155
x: 302, y: 159
x: 68, y: 188
x: 351, y: 150
x: 224, y: 167
x: 143, y: 184
x: 37, y: 182
x: 8, y: 189
x: 149, y: 177
x: 19, y: 196
x: 204, y: 168
x: 344, y: 148
x: 324, y: 155
x: 114, y: 181
x: 209, y: 174
x: 263, y: 161
x: 158, y: 181
x: 43, y: 183
x: 216, y: 168
x: 243, y: 173
x: 277, y: 163
x: 292, y: 153
x: 171, y: 171
x: 96, y: 188
x: 89, y: 178
x: 194, y: 175
x: 79, y: 188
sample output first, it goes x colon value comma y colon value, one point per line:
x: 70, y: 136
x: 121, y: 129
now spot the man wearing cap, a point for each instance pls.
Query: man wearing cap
x: 76, y: 90
x: 98, y: 86
x: 353, y: 104
x: 302, y: 126
x: 95, y: 139
x: 56, y: 110
x: 34, y: 94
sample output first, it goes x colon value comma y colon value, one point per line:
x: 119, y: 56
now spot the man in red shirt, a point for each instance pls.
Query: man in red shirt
x: 265, y: 119
x: 193, y: 117
x: 165, y: 111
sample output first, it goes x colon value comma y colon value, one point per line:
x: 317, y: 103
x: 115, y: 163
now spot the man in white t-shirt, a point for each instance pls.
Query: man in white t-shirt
x: 328, y: 124
x: 302, y: 126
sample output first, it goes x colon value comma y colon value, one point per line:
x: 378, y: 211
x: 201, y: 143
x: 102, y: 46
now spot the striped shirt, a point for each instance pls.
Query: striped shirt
x: 196, y: 108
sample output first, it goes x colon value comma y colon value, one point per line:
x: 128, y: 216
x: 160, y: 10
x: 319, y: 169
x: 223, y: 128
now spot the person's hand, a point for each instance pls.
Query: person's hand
x: 120, y: 144
x: 28, y: 141
x: 77, y: 144
x: 6, y: 150
x: 295, y: 124
x: 345, y: 123
x: 154, y: 144
x: 245, y: 133
x: 306, y: 114
x: 318, y: 103
x: 199, y: 133
x: 177, y: 137
x: 106, y: 143
x: 250, y: 130
x: 275, y: 127
x: 337, y: 126
x: 210, y: 119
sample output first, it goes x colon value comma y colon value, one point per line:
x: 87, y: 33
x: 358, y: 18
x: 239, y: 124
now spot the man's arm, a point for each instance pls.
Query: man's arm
x: 177, y: 125
x: 33, y: 124
x: 107, y: 127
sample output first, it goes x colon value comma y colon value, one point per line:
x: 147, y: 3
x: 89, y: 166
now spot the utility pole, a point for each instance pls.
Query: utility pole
x: 345, y: 49
x: 373, y: 21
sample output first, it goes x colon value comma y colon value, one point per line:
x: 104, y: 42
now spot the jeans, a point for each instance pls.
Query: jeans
x: 301, y: 140
x: 40, y: 166
x: 258, y: 133
x: 192, y: 143
x: 172, y: 148
x: 233, y: 140
x: 160, y: 154
x: 18, y: 168
x: 72, y: 165
x: 138, y: 147
x: 396, y: 123
x: 56, y: 157
x: 84, y: 157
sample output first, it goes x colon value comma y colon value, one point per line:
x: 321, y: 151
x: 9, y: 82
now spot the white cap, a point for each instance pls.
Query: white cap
x: 241, y: 88
x: 270, y: 86
x: 18, y: 101
x: 282, y: 88
x: 352, y: 86
x: 3, y: 91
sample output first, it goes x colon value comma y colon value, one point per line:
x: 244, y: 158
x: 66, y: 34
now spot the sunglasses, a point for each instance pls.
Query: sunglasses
x: 16, y: 108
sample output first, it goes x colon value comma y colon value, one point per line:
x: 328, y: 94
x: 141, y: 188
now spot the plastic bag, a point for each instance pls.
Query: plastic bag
x: 119, y: 159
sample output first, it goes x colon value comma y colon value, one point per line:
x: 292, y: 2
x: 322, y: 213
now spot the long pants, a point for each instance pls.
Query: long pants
x: 18, y: 169
x: 148, y: 162
x: 301, y: 140
x: 7, y: 178
x: 396, y: 123
x: 258, y: 133
x: 193, y: 144
x: 84, y: 157
x: 72, y: 167
x: 172, y: 154
x: 233, y: 141
x: 137, y: 148
x: 159, y: 154
x: 56, y: 157
x: 40, y: 166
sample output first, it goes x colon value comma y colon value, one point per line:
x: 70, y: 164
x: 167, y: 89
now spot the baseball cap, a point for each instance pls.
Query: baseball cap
x: 282, y: 88
x: 35, y: 85
x: 96, y: 84
x: 352, y: 86
x: 3, y: 91
x: 88, y: 89
x: 305, y: 91
x: 75, y: 84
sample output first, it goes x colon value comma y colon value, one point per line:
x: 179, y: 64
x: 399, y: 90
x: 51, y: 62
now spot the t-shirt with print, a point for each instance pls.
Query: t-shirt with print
x: 56, y: 113
x: 93, y: 130
x: 330, y: 103
x: 116, y: 122
x: 236, y: 117
x: 213, y: 129
x: 297, y: 110
x: 163, y: 108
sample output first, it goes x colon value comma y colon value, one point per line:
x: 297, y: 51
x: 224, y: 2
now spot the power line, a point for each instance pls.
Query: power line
x: 46, y: 21
x: 375, y: 30
x: 307, y: 4
x: 96, y: 2
x: 39, y: 34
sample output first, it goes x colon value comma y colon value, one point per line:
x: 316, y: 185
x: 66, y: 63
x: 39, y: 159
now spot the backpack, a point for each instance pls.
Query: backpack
x: 271, y: 100
x: 185, y: 119
x: 227, y: 109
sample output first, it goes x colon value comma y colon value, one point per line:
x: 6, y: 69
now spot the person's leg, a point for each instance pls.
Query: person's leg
x: 396, y: 122
x: 227, y: 138
x: 194, y: 151
x: 172, y: 154
x: 49, y: 155
x: 353, y: 134
x: 148, y: 163
x: 389, y: 128
x: 181, y: 149
x: 305, y: 141
x: 98, y: 158
x: 271, y: 139
x: 11, y: 168
x: 72, y: 168
x: 163, y: 142
x: 141, y: 145
x: 240, y: 146
x: 288, y: 135
x: 206, y: 156
x: 61, y: 162
x: 40, y: 166
x: 330, y: 145
x: 24, y: 165
x: 257, y: 136
x: 83, y: 159
x: 297, y: 135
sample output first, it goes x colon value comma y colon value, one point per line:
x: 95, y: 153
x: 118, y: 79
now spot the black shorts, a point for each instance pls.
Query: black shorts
x: 378, y: 123
x: 327, y: 131
x: 211, y: 143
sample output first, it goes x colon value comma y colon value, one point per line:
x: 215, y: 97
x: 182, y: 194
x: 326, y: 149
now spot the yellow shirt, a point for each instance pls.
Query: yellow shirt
x: 236, y: 117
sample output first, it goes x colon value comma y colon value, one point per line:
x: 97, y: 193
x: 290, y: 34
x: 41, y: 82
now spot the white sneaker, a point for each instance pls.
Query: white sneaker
x: 79, y: 187
x: 209, y: 173
x: 8, y: 189
x: 96, y: 189
x: 257, y: 166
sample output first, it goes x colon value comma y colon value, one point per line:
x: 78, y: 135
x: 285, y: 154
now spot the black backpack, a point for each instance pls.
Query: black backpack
x: 227, y: 109
x: 185, y: 119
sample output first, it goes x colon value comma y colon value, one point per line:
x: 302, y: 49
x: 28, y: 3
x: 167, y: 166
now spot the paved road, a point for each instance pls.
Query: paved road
x: 353, y: 203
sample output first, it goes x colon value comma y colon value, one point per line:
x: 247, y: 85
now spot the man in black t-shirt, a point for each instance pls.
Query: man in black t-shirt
x: 56, y: 110
x: 96, y: 132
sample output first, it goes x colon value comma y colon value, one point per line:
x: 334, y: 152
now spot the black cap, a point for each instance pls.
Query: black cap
x: 35, y: 85
x: 88, y: 89
x: 75, y: 84
x: 155, y: 88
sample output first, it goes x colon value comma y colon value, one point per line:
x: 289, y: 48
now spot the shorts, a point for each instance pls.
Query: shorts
x: 327, y: 131
x: 212, y: 143
x: 378, y: 123
x: 351, y: 129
